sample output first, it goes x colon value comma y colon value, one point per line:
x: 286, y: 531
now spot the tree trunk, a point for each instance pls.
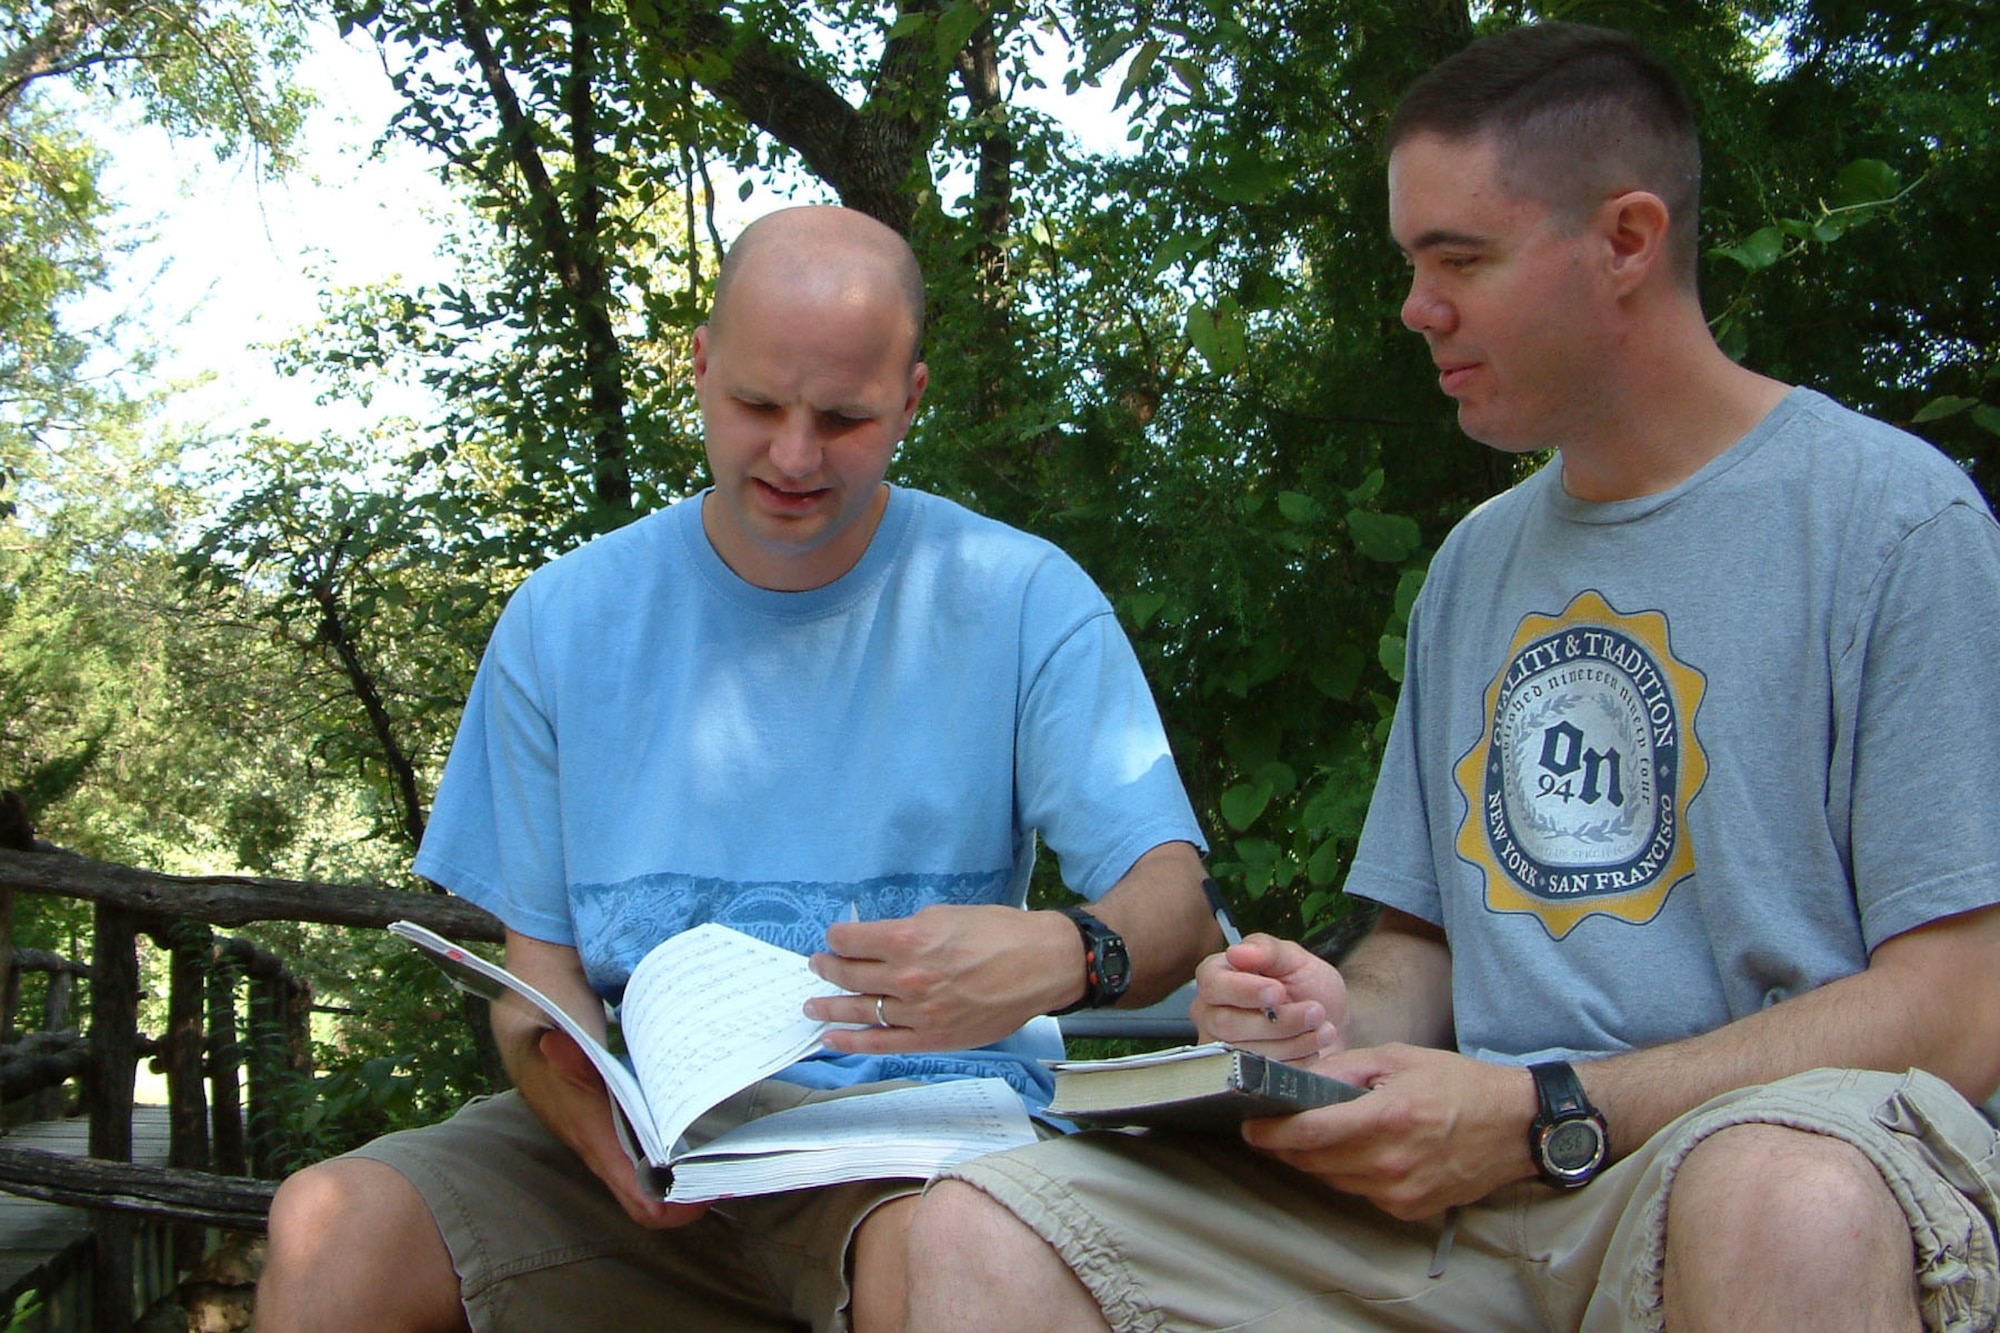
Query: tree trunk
x: 573, y: 251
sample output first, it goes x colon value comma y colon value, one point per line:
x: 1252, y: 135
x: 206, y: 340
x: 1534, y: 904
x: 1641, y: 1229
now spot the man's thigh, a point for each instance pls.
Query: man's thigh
x: 538, y: 1241
x: 1191, y: 1232
x: 1188, y: 1233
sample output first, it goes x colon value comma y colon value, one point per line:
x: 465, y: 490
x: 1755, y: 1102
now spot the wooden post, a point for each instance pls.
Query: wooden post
x: 187, y: 1101
x: 299, y: 999
x: 55, y: 1017
x: 114, y: 1039
x: 225, y: 1059
x: 279, y: 1054
x: 266, y: 1059
x: 10, y: 975
x: 186, y: 1000
x: 17, y: 833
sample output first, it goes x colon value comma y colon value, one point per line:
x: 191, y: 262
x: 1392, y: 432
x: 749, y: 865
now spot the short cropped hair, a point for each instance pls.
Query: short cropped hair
x: 1577, y: 113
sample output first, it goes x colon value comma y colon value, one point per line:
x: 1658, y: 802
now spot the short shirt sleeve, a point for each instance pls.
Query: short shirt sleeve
x: 1094, y: 772
x: 1921, y: 682
x: 1394, y: 863
x: 493, y: 836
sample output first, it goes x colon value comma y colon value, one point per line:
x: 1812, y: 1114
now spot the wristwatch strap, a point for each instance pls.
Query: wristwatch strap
x: 1560, y: 1092
x: 1098, y: 940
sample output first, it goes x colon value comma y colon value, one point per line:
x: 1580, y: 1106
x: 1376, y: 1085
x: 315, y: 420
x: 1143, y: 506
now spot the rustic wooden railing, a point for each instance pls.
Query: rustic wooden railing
x: 218, y: 1179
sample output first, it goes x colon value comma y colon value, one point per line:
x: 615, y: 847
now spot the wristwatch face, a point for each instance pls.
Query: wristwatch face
x: 1107, y: 963
x: 1573, y: 1147
x: 1114, y: 966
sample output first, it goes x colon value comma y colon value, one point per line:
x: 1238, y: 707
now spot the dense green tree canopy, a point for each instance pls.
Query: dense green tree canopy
x: 1182, y: 361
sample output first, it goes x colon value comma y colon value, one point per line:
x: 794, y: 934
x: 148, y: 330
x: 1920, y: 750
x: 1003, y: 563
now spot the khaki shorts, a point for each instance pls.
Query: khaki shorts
x: 1186, y: 1232
x: 539, y: 1243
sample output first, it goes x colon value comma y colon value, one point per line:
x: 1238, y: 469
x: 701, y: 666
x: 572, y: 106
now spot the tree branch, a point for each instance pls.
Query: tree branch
x: 44, y: 53
x: 865, y: 155
x: 333, y: 633
x: 573, y: 253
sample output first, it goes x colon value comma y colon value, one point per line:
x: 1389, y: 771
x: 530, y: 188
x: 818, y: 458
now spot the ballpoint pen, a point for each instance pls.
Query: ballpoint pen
x: 1215, y: 904
x: 1230, y: 933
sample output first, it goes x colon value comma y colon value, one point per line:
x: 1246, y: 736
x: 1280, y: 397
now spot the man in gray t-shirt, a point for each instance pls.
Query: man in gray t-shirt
x: 1687, y: 977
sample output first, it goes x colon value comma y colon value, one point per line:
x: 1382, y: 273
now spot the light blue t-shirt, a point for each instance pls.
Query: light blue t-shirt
x: 652, y: 743
x: 1662, y: 762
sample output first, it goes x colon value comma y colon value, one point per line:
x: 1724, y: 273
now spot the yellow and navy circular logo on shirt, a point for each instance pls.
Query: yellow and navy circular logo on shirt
x: 1587, y: 762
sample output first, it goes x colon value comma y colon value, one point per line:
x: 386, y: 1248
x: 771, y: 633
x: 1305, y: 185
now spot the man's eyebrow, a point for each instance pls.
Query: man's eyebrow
x: 1440, y: 236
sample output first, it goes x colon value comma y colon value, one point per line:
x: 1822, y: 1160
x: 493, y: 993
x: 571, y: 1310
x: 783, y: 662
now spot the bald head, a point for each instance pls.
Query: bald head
x: 826, y: 256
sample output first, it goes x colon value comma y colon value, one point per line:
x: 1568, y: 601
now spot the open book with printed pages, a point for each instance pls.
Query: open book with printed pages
x: 1208, y: 1087
x: 709, y: 1012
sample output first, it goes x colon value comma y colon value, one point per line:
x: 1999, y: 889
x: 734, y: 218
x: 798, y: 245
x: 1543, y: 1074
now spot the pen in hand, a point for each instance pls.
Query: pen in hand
x: 1230, y: 934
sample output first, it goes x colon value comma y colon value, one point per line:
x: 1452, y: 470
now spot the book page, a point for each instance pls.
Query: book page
x: 903, y: 1133
x: 1144, y: 1059
x: 709, y: 1012
x: 489, y: 981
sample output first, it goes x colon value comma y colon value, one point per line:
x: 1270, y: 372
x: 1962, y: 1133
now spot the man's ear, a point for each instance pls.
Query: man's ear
x: 1634, y: 226
x: 700, y: 357
x: 920, y: 379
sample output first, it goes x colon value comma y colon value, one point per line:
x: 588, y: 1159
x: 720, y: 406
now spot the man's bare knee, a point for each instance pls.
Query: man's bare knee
x: 323, y: 1204
x: 880, y: 1268
x: 974, y: 1265
x: 1765, y: 1219
x: 352, y: 1239
x: 959, y: 1226
x: 949, y: 1207
x: 1762, y: 1174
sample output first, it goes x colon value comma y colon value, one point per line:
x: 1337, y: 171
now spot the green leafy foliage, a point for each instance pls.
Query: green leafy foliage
x: 1182, y: 361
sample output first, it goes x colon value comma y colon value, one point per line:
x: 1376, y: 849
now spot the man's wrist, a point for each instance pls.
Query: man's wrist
x: 1107, y: 964
x: 1568, y: 1138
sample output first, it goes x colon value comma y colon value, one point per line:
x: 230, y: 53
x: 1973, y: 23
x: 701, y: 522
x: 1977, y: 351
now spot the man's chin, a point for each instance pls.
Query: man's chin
x: 1477, y: 428
x: 791, y: 536
x: 1482, y: 428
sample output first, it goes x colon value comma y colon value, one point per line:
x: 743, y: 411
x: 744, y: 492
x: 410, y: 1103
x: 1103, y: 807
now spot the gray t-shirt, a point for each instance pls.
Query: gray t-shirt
x: 1659, y: 763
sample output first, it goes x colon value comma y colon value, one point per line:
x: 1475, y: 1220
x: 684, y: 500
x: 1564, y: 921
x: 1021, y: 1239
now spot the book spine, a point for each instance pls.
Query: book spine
x: 1280, y: 1081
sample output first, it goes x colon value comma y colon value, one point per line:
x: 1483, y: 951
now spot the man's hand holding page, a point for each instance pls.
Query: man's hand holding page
x: 950, y: 977
x: 559, y: 1083
x: 568, y: 1096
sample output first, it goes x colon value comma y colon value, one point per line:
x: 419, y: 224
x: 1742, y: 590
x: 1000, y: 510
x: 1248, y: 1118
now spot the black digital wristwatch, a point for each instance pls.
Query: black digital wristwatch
x: 1107, y: 966
x: 1567, y: 1137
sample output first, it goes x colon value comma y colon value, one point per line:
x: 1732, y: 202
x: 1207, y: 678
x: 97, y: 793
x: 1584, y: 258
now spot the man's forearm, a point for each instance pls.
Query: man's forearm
x: 1929, y: 999
x: 557, y: 973
x: 517, y: 1030
x: 1159, y: 909
x: 1398, y: 985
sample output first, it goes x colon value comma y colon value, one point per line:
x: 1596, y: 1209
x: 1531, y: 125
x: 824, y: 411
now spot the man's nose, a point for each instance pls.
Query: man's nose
x: 1424, y: 311
x: 795, y: 448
